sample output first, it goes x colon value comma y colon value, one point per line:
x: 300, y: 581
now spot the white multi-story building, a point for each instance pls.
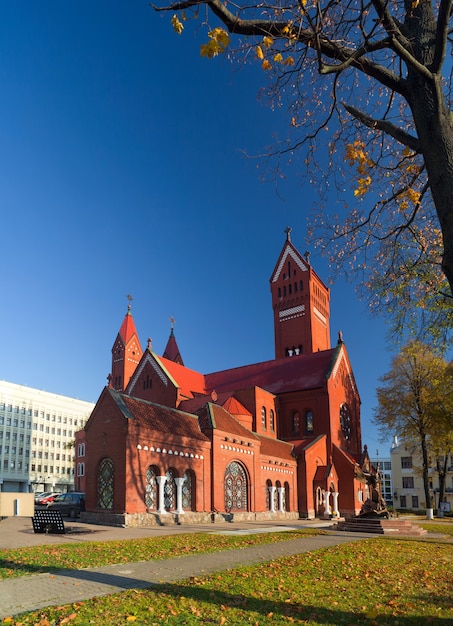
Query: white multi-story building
x: 384, y: 467
x: 37, y: 435
x: 408, y: 481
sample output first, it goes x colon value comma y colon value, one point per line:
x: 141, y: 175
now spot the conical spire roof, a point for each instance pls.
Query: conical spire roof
x: 128, y: 330
x: 171, y: 351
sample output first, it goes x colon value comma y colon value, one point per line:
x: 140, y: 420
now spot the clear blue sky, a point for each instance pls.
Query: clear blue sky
x: 123, y: 172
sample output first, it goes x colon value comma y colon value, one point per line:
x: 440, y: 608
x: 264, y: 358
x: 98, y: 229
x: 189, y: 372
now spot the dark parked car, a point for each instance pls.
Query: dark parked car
x: 70, y: 503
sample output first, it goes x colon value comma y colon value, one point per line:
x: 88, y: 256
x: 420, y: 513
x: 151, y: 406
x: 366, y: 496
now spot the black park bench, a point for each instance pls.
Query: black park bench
x: 48, y: 521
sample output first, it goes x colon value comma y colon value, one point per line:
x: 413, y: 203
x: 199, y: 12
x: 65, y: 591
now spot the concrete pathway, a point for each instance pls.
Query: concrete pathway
x: 29, y: 593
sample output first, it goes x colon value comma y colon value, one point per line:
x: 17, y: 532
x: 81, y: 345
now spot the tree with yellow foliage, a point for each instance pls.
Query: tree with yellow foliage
x: 375, y: 76
x: 415, y: 402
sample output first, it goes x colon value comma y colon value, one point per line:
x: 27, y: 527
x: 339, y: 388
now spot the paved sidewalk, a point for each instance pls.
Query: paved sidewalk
x: 31, y: 593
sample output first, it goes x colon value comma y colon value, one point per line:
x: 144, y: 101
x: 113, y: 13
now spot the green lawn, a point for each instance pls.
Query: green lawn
x: 49, y: 558
x: 377, y: 582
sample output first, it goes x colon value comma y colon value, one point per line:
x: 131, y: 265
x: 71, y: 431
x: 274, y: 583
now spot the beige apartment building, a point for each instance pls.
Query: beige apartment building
x: 408, y: 492
x: 37, y: 435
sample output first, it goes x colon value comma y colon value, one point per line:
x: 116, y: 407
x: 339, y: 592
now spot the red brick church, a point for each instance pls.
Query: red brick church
x: 275, y: 439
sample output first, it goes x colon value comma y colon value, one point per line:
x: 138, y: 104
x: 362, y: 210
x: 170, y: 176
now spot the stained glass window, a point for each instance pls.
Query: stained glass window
x: 235, y: 488
x: 105, y: 484
x: 187, y: 492
x: 170, y: 491
x: 151, y: 489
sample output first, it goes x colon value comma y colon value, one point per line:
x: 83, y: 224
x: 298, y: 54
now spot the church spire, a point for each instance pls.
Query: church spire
x: 171, y: 351
x: 126, y: 352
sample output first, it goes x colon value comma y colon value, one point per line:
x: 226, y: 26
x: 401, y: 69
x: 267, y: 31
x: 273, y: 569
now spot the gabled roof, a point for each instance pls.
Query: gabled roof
x: 171, y: 351
x: 233, y: 406
x: 306, y: 371
x: 288, y: 251
x: 158, y: 418
x: 304, y: 444
x: 128, y: 330
x: 213, y: 416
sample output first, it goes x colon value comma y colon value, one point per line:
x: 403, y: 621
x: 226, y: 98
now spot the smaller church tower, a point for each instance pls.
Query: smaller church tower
x: 171, y: 351
x: 126, y: 353
x: 301, y: 304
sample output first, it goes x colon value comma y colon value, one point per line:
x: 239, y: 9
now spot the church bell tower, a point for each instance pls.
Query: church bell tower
x: 301, y: 304
x: 126, y: 353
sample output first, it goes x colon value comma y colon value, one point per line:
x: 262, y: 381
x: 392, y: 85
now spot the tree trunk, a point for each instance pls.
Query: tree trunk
x: 433, y: 121
x: 442, y: 473
x: 425, y: 472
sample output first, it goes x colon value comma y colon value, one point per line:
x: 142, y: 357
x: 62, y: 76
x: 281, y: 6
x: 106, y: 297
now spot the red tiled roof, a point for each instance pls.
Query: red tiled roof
x: 234, y: 407
x: 303, y: 444
x: 214, y: 416
x: 158, y: 418
x: 306, y: 371
x: 128, y: 329
x: 320, y: 474
x: 276, y: 448
x: 226, y: 399
x: 190, y: 382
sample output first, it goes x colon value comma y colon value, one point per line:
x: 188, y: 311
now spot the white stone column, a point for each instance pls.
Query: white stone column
x: 161, y: 482
x: 271, y: 498
x: 325, y: 501
x: 335, y: 511
x: 281, y: 492
x: 179, y: 483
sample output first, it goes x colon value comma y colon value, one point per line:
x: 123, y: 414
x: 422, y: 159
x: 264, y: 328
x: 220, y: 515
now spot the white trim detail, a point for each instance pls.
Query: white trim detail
x: 295, y: 311
x: 319, y: 315
x: 288, y: 252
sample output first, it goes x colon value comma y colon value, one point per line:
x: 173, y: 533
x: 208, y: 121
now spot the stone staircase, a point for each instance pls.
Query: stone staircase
x: 381, y: 526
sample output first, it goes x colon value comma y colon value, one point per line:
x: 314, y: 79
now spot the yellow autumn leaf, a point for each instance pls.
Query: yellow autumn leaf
x: 278, y: 58
x: 221, y: 36
x: 211, y: 49
x: 177, y: 25
x: 407, y: 151
x: 268, y: 41
x: 288, y: 61
x: 259, y: 52
x: 266, y: 65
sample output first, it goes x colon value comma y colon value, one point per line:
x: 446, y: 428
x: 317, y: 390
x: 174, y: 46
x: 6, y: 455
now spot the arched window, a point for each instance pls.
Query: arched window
x: 295, y: 423
x: 345, y: 421
x: 187, y: 493
x: 271, y: 420
x: 278, y: 486
x: 236, y: 492
x: 170, y: 491
x: 263, y: 418
x: 309, y: 422
x: 105, y: 482
x: 268, y: 494
x: 151, y: 489
x: 286, y: 506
